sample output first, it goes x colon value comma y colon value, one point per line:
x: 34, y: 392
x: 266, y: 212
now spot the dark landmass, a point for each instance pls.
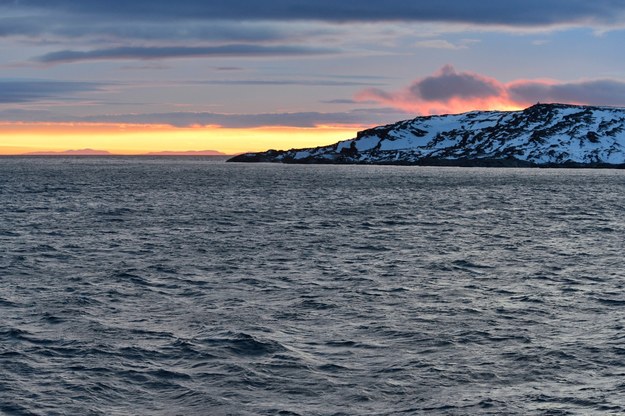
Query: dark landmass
x: 92, y: 152
x: 543, y: 135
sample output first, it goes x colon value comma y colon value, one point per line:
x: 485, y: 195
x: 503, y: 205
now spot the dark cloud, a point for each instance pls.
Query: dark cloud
x: 300, y: 119
x: 443, y: 88
x: 341, y: 101
x: 192, y: 28
x: 187, y: 119
x: 451, y: 91
x: 20, y: 26
x: 596, y: 92
x: 448, y: 84
x: 23, y: 91
x: 302, y: 82
x: 155, y: 52
x: 515, y: 13
x: 229, y: 68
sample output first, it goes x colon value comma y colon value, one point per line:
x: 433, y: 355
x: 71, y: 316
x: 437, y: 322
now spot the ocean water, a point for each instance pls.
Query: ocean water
x: 187, y: 286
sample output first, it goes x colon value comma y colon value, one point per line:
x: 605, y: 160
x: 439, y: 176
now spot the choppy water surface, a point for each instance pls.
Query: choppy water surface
x: 184, y: 286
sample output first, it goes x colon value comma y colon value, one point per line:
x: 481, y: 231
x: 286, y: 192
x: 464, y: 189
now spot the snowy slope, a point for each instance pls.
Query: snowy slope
x: 544, y: 134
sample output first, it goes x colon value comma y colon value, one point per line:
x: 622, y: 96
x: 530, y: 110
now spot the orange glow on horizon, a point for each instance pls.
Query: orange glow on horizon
x: 405, y: 102
x: 127, y: 139
x: 480, y: 93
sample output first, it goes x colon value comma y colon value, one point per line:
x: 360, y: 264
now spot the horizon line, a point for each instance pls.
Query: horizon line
x: 88, y: 152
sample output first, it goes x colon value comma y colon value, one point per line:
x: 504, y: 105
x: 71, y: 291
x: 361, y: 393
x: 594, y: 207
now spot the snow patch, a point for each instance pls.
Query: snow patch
x: 367, y: 143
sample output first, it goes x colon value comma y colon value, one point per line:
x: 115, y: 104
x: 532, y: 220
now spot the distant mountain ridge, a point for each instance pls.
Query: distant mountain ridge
x: 92, y: 152
x: 73, y: 152
x: 541, y: 135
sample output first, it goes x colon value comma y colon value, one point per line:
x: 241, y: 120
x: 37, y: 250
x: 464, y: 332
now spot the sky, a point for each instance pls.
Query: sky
x: 233, y: 76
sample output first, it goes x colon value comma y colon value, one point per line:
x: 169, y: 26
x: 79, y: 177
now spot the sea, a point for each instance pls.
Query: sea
x: 191, y: 286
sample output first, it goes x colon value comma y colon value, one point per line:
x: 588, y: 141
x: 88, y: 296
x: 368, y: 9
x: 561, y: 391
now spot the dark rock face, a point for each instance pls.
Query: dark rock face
x: 268, y: 156
x: 553, y: 135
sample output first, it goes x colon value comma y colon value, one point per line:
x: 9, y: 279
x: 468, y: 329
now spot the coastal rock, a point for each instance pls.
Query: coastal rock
x: 553, y: 135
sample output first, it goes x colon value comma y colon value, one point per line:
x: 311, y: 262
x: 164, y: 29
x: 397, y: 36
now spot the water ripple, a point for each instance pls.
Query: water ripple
x: 180, y: 286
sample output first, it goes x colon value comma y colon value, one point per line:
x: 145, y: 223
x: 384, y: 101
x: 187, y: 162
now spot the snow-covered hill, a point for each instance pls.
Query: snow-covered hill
x: 541, y: 135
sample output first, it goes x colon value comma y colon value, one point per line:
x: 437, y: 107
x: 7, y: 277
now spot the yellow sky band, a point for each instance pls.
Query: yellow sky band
x: 18, y: 138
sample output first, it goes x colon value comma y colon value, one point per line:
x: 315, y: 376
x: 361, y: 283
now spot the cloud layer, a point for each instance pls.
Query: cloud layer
x: 450, y: 91
x: 26, y: 91
x: 516, y: 13
x: 593, y: 92
x: 448, y: 84
x: 147, y: 53
x: 359, y: 118
x: 150, y: 29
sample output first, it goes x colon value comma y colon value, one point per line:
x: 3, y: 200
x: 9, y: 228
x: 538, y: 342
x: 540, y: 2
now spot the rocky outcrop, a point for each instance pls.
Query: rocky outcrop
x: 541, y: 135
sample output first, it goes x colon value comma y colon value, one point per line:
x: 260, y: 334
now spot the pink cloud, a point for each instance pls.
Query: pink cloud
x: 450, y: 91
